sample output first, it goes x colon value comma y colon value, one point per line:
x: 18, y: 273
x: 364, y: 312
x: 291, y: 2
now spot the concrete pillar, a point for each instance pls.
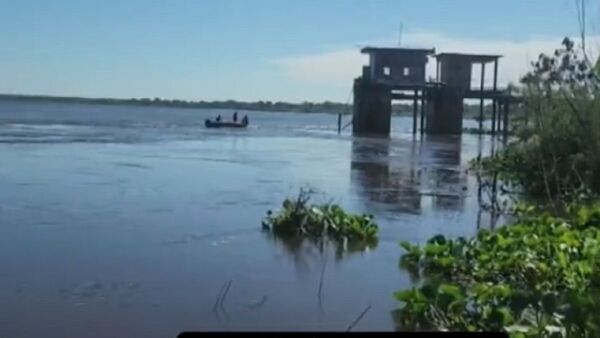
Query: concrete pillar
x: 415, y: 109
x: 422, y: 124
x: 505, y: 123
x: 445, y: 111
x: 499, y: 110
x: 493, y: 116
x: 372, y: 110
x: 481, y: 103
x: 495, y: 101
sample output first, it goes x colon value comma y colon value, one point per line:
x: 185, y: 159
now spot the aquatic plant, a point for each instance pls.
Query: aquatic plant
x: 538, y: 277
x: 299, y: 218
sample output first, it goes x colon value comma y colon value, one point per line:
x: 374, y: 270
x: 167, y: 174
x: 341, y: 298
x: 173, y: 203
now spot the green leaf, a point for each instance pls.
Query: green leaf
x: 451, y: 290
x: 406, y: 245
x: 438, y: 239
x: 405, y: 296
x: 457, y: 307
x: 517, y: 329
x: 434, y: 249
x: 501, y: 316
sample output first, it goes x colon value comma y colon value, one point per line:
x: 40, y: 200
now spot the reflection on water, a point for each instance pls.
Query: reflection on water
x: 377, y: 180
x: 305, y: 251
x: 490, y: 199
x: 383, y: 171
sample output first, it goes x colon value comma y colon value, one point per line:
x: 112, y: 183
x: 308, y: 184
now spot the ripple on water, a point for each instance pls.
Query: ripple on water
x: 161, y: 210
x: 131, y: 165
x: 90, y: 291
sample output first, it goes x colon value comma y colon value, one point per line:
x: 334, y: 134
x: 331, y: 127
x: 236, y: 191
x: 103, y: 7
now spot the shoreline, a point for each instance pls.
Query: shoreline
x: 326, y: 107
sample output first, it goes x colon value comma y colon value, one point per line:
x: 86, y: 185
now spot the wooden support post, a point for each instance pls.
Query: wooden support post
x: 437, y: 71
x: 495, y: 102
x: 422, y: 111
x: 415, y: 103
x: 481, y: 106
x: 339, y: 123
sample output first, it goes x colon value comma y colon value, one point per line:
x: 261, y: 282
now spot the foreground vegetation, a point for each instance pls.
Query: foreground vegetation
x: 540, y: 275
x: 537, y: 277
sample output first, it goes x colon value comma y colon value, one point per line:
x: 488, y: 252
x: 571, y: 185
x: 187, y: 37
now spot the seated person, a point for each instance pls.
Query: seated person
x: 245, y: 119
x: 218, y: 119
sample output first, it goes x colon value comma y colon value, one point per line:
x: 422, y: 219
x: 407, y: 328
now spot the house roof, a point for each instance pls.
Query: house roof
x: 370, y: 50
x: 474, y: 58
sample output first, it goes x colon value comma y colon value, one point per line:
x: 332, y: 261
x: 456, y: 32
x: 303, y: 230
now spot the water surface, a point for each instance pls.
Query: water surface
x: 127, y: 221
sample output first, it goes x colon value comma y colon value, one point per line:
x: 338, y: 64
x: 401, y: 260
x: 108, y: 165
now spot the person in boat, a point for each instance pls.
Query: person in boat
x: 245, y: 120
x: 235, y: 117
x: 218, y: 119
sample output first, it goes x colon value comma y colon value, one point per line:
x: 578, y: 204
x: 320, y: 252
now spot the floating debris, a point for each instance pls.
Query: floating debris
x: 257, y: 304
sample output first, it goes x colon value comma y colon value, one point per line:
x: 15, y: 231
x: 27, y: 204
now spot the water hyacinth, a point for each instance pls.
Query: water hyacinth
x: 298, y: 217
x: 538, y: 277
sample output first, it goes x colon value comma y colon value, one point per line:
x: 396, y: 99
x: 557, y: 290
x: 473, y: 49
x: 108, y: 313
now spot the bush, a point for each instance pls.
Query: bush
x: 555, y: 153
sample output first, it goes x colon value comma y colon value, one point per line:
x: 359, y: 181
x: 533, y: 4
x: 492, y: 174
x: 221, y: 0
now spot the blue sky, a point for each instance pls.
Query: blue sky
x: 288, y: 50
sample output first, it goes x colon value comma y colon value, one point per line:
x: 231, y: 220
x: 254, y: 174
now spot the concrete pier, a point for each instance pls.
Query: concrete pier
x: 372, y: 108
x: 399, y: 74
x: 445, y: 111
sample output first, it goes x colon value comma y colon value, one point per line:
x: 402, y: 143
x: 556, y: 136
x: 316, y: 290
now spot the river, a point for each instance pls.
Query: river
x: 127, y: 221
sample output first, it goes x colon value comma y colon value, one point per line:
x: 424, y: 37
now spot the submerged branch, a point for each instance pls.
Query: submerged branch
x: 320, y: 292
x: 225, y: 294
x: 362, y: 314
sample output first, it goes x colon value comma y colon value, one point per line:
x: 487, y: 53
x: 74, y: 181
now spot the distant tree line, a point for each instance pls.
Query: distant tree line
x: 277, y: 106
x: 405, y: 109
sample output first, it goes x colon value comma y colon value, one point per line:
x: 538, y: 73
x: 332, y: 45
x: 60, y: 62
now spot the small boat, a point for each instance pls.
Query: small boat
x: 221, y: 124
